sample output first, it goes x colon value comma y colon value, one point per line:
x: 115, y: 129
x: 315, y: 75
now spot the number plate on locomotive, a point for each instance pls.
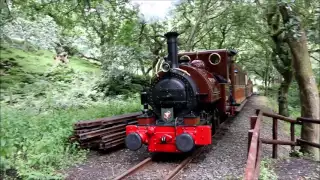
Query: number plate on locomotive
x: 167, y: 114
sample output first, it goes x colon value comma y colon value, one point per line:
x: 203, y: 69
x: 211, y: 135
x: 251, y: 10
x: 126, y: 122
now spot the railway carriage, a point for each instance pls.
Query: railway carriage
x: 188, y: 99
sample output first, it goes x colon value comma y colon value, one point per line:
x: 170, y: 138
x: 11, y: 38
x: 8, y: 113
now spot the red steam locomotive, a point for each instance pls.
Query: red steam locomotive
x: 188, y: 99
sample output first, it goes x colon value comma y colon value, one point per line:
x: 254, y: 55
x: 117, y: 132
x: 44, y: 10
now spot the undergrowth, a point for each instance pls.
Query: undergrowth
x: 266, y: 171
x: 39, y: 104
x: 293, y: 105
x: 21, y: 66
x: 36, y: 145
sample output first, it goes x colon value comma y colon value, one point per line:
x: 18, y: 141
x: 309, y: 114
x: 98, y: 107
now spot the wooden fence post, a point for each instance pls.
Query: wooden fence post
x: 275, y: 137
x: 257, y: 111
x: 292, y: 138
x: 253, y: 120
x: 250, y: 132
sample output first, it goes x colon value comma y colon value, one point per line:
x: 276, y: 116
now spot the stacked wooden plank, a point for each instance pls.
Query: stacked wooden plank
x: 104, y: 133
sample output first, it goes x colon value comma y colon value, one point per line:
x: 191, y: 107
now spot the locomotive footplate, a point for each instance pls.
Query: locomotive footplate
x: 168, y: 138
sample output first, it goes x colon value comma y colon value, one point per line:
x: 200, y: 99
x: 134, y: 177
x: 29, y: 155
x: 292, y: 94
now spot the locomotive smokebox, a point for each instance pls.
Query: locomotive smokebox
x: 172, y: 41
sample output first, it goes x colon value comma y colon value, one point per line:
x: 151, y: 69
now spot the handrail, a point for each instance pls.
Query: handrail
x: 255, y: 142
x: 291, y: 120
x: 301, y: 141
x: 254, y: 150
x: 308, y: 120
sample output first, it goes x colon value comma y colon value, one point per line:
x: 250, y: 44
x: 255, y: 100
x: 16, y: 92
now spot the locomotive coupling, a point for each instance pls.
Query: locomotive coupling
x: 133, y: 141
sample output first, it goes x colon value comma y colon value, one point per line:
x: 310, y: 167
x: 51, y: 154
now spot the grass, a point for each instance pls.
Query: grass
x: 266, y: 172
x: 294, y: 106
x: 26, y: 66
x: 35, y: 128
x: 294, y: 113
x: 36, y: 145
x: 297, y: 129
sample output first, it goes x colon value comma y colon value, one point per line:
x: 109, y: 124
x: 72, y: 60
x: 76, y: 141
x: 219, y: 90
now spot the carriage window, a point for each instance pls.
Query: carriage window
x: 214, y: 58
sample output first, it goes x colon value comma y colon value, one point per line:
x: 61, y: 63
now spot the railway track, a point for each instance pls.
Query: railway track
x: 148, y: 162
x: 107, y: 133
x: 103, y: 133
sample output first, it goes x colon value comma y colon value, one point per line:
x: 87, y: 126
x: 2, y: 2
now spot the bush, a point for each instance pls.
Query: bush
x: 266, y: 172
x: 37, y: 114
x: 120, y: 70
x: 36, y: 144
x: 54, y: 86
x: 121, y: 83
x: 293, y: 98
x: 60, y: 73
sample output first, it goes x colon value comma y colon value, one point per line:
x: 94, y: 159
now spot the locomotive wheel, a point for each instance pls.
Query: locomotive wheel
x: 215, y: 121
x: 217, y: 116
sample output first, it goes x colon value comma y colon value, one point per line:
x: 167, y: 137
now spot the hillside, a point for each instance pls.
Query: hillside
x: 21, y: 66
x: 40, y: 100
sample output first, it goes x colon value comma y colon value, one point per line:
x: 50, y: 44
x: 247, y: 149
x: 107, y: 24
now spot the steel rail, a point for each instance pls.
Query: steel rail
x: 176, y: 171
x: 183, y: 164
x: 170, y: 176
x: 133, y: 169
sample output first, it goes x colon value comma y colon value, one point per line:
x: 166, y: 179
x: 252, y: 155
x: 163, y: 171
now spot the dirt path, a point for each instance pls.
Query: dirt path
x: 297, y: 168
x: 224, y: 159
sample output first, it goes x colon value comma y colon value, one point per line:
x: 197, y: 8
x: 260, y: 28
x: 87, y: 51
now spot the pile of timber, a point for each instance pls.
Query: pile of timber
x: 104, y: 133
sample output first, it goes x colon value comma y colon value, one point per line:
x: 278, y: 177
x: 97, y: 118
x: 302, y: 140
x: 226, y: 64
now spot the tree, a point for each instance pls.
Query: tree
x: 309, y: 97
x: 281, y: 57
x: 195, y: 20
x: 106, y: 25
x: 6, y: 13
x: 226, y: 24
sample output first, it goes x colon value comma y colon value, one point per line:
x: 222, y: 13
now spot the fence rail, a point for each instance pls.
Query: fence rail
x: 255, y: 142
x: 254, y: 148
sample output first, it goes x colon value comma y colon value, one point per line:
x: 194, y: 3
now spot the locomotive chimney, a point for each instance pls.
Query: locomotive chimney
x: 172, y: 48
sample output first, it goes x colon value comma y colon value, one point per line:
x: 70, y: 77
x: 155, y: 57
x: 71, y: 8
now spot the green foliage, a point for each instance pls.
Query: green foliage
x: 120, y: 72
x: 36, y: 145
x: 293, y: 98
x: 293, y: 104
x: 39, y: 107
x: 266, y: 172
x: 33, y: 91
x: 22, y: 67
x: 36, y: 116
x: 296, y: 153
x: 121, y: 82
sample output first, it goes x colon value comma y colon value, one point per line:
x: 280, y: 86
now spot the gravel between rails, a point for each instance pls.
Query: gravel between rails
x: 162, y: 164
x: 101, y: 166
x: 224, y: 159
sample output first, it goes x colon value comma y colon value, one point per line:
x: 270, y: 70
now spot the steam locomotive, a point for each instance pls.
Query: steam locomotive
x: 188, y: 99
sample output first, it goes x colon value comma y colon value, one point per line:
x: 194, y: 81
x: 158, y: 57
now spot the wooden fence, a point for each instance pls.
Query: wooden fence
x: 255, y: 142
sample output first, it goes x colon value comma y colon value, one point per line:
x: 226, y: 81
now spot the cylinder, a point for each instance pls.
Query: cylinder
x: 172, y: 48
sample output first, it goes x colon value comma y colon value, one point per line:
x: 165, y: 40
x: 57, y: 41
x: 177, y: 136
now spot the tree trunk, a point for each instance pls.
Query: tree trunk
x: 266, y: 77
x: 265, y: 87
x: 283, y: 98
x: 281, y: 57
x: 309, y: 97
